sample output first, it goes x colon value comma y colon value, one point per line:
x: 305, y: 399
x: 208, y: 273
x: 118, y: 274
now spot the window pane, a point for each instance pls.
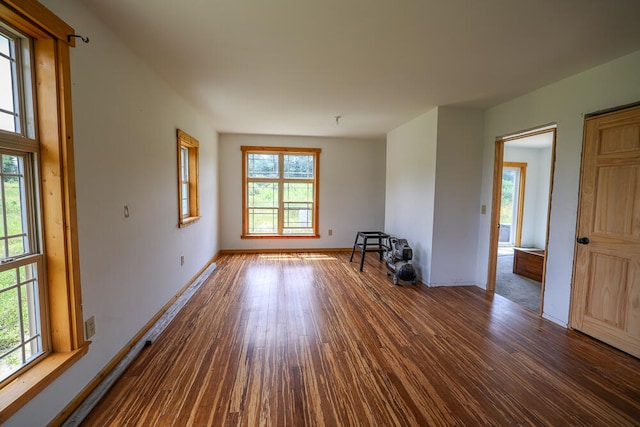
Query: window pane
x: 298, y: 166
x: 3, y: 233
x: 21, y: 338
x: 298, y: 192
x: 10, y: 361
x: 185, y: 200
x: 8, y: 86
x: 9, y: 320
x: 16, y: 246
x: 262, y: 194
x: 14, y: 205
x: 5, y: 46
x: 506, y: 204
x: 263, y: 220
x: 30, y: 302
x: 298, y: 208
x: 15, y: 238
x: 8, y: 278
x: 11, y: 165
x: 262, y: 166
x: 263, y: 207
x: 184, y: 156
x: 298, y: 217
x: 7, y: 122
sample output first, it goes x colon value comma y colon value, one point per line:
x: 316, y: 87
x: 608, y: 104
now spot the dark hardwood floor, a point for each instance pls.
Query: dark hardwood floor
x: 308, y: 340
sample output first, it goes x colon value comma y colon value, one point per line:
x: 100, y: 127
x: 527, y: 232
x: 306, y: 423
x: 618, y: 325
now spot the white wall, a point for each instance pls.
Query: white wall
x: 457, y: 198
x: 433, y: 177
x: 565, y: 103
x: 542, y: 207
x: 410, y: 186
x: 125, y: 120
x: 352, y: 174
x: 536, y: 194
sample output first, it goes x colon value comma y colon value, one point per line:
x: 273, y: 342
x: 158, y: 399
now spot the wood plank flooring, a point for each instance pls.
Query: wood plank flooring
x: 308, y: 340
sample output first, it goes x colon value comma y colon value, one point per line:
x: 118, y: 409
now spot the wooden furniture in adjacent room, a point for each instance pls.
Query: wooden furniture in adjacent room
x: 528, y: 262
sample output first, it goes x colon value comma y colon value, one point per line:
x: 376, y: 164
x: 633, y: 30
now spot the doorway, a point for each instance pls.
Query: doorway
x: 523, y: 174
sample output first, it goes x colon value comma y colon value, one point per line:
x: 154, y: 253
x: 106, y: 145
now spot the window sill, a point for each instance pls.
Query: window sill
x: 26, y: 386
x: 279, y: 236
x: 188, y: 221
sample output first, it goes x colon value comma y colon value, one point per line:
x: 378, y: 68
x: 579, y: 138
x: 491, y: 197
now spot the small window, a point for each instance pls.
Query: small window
x: 280, y: 192
x: 188, y: 179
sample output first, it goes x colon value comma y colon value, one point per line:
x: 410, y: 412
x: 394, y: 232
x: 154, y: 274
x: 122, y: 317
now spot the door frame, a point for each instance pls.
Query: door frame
x: 497, y: 196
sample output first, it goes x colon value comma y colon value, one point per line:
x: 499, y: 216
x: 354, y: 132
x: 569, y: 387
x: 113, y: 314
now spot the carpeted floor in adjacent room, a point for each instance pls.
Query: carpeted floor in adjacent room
x: 514, y: 287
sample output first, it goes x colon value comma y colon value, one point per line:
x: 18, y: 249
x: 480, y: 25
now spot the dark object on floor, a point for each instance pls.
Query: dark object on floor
x: 369, y: 241
x: 398, y: 258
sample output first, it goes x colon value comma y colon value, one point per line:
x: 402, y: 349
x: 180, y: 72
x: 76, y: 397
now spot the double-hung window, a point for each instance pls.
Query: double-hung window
x: 41, y: 322
x: 280, y: 197
x: 188, y: 202
x: 21, y: 258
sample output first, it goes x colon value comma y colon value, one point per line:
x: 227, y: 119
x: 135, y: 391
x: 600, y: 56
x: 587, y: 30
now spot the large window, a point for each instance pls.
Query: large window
x: 21, y: 260
x: 280, y: 196
x: 41, y: 320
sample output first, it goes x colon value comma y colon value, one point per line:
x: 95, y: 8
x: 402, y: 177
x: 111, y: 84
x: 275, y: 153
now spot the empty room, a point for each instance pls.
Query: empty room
x: 340, y: 213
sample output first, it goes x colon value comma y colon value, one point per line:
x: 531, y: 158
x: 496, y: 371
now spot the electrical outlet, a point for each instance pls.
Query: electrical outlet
x: 483, y: 210
x: 330, y: 232
x: 90, y: 327
x: 181, y: 260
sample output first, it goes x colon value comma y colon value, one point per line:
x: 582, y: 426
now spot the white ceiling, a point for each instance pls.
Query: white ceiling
x: 538, y: 141
x: 290, y: 66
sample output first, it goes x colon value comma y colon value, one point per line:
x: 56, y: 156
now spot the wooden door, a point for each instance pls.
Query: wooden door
x: 606, y: 280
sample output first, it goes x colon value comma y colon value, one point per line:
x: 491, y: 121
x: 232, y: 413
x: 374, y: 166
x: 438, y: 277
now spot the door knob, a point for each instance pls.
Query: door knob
x: 583, y: 240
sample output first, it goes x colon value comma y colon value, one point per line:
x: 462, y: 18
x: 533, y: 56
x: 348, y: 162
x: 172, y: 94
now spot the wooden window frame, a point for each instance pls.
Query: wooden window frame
x: 51, y: 44
x: 316, y: 190
x: 522, y: 166
x: 193, y: 146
